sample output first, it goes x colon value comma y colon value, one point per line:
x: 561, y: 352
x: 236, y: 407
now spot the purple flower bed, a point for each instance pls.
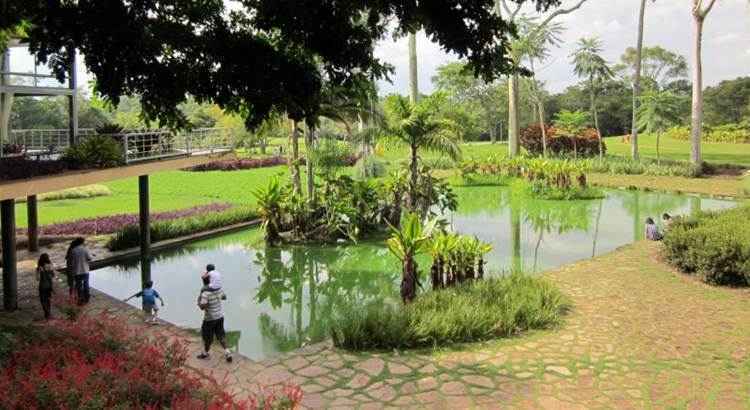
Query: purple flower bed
x: 238, y: 164
x: 110, y: 224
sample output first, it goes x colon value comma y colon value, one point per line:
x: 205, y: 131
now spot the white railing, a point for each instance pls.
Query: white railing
x: 52, y: 141
x: 151, y: 145
x: 141, y: 145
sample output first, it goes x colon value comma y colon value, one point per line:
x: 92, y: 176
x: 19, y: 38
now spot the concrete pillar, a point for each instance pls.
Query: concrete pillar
x: 145, y: 228
x: 10, y: 274
x: 32, y: 223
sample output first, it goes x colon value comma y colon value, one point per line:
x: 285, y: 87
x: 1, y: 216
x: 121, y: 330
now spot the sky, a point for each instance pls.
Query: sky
x: 726, y: 41
x: 668, y: 23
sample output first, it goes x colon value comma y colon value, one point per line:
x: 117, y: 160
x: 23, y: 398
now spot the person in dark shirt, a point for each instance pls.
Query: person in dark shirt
x: 149, y: 296
x: 44, y: 274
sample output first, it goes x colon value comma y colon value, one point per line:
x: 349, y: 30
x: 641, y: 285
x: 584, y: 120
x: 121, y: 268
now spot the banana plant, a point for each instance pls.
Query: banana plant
x: 271, y: 199
x: 406, y: 242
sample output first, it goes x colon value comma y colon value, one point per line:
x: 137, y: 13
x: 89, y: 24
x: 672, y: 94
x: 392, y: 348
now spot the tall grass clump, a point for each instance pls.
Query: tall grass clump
x: 713, y: 245
x: 88, y: 191
x: 129, y: 236
x: 474, y: 311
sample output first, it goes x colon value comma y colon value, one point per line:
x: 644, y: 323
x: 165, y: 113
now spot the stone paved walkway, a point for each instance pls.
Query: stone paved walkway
x: 639, y: 336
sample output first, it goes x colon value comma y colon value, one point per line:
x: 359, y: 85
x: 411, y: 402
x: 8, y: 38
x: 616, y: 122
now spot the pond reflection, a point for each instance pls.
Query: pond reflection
x: 280, y: 298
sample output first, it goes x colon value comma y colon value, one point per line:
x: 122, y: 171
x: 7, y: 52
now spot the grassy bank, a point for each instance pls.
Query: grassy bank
x: 475, y: 311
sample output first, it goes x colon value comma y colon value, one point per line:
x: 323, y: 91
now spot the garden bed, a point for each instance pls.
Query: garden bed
x: 474, y: 311
x: 97, y: 362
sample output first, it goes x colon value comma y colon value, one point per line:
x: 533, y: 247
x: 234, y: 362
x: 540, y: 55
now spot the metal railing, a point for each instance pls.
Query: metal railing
x: 142, y: 145
x: 52, y: 141
x: 151, y: 145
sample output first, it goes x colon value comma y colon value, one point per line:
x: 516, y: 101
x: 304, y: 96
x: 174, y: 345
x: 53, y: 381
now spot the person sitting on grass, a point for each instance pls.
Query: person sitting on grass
x: 209, y: 301
x: 44, y: 274
x: 666, y: 221
x: 149, y: 296
x: 652, y: 231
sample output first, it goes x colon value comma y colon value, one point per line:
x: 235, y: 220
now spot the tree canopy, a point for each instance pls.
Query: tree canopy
x: 259, y: 57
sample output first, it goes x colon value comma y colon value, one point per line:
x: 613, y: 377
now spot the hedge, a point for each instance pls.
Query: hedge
x: 713, y: 245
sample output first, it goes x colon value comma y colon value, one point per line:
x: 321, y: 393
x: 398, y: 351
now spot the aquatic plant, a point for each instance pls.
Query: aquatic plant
x: 456, y: 259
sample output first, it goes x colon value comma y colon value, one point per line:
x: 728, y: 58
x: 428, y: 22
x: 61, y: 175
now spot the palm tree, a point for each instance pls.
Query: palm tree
x: 533, y: 45
x: 511, y: 15
x: 590, y: 65
x: 699, y: 16
x: 658, y: 111
x: 637, y: 81
x: 406, y: 242
x: 413, y: 71
x: 419, y: 127
x: 294, y: 158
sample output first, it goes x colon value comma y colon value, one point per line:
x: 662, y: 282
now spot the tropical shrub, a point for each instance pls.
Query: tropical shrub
x: 129, y: 236
x: 370, y: 167
x: 406, y: 242
x: 585, y: 142
x: 96, y: 151
x: 22, y: 168
x: 733, y: 133
x: 619, y: 165
x: 347, y: 209
x: 713, y: 245
x: 109, y: 128
x: 96, y: 362
x: 473, y: 311
x: 546, y: 178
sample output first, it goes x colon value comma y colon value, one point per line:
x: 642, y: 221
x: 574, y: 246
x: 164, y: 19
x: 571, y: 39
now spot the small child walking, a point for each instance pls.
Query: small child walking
x: 149, y: 296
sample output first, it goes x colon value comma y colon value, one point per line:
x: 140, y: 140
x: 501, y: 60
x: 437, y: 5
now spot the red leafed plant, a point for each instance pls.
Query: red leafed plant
x: 95, y: 362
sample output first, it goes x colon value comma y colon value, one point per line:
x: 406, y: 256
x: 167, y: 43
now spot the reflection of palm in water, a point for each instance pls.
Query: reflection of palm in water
x: 332, y: 278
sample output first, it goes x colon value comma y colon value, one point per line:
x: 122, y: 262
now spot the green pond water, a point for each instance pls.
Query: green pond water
x: 282, y: 298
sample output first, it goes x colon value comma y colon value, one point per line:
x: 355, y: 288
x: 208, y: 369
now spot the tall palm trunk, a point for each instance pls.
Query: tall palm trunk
x: 637, y: 82
x: 543, y: 126
x: 697, y: 104
x: 413, y: 72
x: 294, y: 159
x: 514, y: 129
x: 596, y: 118
x: 309, y: 146
x: 414, y: 173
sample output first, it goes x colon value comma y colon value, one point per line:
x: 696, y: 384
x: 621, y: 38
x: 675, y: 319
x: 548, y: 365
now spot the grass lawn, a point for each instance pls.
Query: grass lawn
x: 718, y: 153
x: 177, y: 189
x: 169, y: 190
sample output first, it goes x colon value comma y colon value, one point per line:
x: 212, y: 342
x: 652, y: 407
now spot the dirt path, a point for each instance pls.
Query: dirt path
x: 639, y: 336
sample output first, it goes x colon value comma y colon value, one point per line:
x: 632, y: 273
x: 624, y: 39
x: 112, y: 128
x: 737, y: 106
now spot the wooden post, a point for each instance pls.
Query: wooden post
x: 145, y: 228
x: 33, y: 223
x: 10, y: 274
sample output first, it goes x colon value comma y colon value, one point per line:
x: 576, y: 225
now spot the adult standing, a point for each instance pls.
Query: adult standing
x: 80, y: 259
x: 209, y: 301
x: 69, y: 275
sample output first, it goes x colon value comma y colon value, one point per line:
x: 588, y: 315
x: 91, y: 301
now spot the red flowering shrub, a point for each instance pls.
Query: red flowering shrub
x: 98, y: 363
x: 587, y: 144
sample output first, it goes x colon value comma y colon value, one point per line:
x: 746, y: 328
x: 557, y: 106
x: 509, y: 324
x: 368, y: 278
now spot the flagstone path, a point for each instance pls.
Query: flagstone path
x: 639, y: 335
